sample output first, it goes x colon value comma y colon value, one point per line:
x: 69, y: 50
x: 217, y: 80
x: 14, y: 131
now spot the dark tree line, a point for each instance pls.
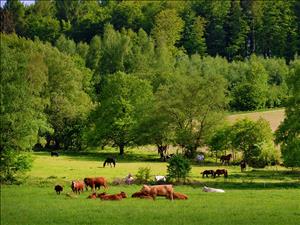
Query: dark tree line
x: 234, y: 29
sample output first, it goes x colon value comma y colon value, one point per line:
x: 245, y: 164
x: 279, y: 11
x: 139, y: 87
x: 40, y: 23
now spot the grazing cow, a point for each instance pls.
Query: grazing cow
x: 58, y: 189
x: 207, y: 172
x: 54, y: 154
x: 225, y: 159
x: 95, y: 183
x: 159, y: 190
x: 140, y: 194
x: 208, y: 189
x: 110, y: 161
x: 243, y: 165
x: 180, y: 196
x: 220, y: 172
x: 77, y: 186
x: 119, y: 196
x: 160, y: 178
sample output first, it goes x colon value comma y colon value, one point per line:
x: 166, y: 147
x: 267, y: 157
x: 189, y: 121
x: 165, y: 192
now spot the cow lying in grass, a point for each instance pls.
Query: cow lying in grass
x: 140, y: 194
x: 208, y: 189
x: 158, y: 190
x: 178, y: 195
x: 92, y: 196
x: 120, y: 196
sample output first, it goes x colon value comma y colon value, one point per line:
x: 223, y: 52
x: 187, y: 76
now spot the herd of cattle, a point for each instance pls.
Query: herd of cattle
x: 147, y: 192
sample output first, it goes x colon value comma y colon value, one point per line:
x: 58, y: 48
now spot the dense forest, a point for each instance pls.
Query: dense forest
x: 79, y: 73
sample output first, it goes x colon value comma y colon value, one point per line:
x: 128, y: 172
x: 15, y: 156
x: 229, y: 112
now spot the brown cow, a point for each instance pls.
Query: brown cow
x: 119, y: 196
x: 220, y: 172
x: 159, y: 190
x: 140, y: 194
x: 206, y: 172
x: 92, y: 196
x: 77, y: 186
x: 95, y: 183
x: 178, y: 195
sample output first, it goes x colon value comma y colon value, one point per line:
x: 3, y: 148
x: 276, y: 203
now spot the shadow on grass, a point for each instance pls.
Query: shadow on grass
x: 101, y: 156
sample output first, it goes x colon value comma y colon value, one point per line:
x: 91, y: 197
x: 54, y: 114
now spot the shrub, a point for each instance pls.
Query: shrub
x: 143, y: 174
x: 14, y: 164
x: 178, y: 168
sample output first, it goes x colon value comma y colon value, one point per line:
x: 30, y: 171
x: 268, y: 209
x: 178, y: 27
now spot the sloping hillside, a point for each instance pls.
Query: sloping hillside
x: 274, y: 117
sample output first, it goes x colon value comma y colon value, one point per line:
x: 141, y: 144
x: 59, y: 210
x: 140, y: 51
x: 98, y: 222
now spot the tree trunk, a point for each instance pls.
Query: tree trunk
x: 121, y: 147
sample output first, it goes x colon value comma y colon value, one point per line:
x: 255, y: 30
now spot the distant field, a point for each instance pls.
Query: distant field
x: 275, y: 117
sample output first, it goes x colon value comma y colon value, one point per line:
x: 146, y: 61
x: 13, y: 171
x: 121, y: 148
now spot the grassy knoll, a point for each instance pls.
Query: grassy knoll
x: 274, y: 117
x: 267, y: 196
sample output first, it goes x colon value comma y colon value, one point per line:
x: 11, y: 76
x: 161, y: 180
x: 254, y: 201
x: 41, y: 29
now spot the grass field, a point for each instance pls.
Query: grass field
x: 265, y: 196
x: 274, y: 117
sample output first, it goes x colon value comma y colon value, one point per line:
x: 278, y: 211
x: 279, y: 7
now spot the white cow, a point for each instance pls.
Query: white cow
x: 208, y: 189
x: 160, y: 178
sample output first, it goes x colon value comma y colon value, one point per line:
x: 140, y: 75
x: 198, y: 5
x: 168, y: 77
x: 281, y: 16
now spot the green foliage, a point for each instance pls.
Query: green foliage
x: 168, y: 27
x: 13, y: 164
x: 124, y: 100
x: 251, y: 92
x: 194, y: 104
x: 255, y: 140
x: 288, y: 132
x: 179, y: 168
x: 143, y: 174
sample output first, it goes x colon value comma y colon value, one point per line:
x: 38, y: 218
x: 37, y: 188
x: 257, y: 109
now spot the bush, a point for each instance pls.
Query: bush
x: 14, y: 164
x: 178, y: 168
x: 143, y: 174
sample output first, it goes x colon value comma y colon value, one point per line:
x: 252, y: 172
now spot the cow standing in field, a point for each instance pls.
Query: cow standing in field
x: 58, y: 189
x: 77, y: 186
x: 159, y: 190
x: 207, y: 172
x: 243, y: 165
x: 95, y: 183
x: 54, y: 154
x: 220, y: 172
x: 110, y: 161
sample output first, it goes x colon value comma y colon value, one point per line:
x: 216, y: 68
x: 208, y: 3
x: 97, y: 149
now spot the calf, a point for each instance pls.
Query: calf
x: 77, y: 186
x: 119, y: 196
x: 159, y: 190
x: 58, y: 189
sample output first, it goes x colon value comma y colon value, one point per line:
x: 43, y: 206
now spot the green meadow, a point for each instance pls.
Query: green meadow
x: 265, y: 196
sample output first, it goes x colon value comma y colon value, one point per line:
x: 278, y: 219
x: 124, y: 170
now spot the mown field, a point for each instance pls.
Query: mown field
x: 266, y: 196
x: 274, y: 117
